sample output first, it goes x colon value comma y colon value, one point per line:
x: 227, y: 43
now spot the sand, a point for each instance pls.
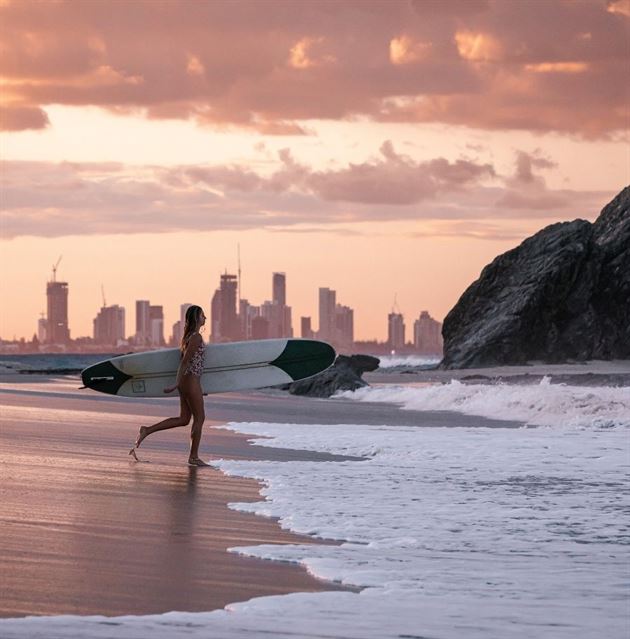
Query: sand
x: 85, y: 530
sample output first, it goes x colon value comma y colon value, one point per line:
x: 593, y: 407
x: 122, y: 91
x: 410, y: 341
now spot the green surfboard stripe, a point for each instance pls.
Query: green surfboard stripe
x: 301, y: 358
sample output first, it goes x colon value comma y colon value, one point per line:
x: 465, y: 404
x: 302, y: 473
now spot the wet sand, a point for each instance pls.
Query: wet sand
x: 85, y: 530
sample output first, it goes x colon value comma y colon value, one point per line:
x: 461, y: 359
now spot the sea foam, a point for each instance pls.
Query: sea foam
x: 407, y: 361
x: 543, y: 404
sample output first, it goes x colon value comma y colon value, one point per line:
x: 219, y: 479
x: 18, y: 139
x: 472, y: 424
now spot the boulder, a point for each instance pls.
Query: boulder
x: 344, y: 374
x: 562, y: 295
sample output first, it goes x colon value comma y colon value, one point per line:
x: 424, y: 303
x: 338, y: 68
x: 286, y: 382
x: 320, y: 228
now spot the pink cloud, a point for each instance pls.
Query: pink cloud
x: 55, y: 199
x: 560, y: 66
x: 20, y: 118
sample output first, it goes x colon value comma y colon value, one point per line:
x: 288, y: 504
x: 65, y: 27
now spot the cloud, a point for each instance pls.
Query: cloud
x: 55, y: 199
x: 396, y: 179
x: 265, y: 66
x: 19, y: 118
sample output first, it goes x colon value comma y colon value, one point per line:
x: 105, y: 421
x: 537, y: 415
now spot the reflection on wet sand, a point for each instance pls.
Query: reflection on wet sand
x: 84, y: 530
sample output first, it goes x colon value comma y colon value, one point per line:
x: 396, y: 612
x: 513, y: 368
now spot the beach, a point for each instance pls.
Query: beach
x: 410, y: 508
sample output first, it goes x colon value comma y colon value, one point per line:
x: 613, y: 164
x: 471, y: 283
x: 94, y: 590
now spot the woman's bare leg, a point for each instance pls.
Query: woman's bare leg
x: 171, y: 422
x: 194, y: 397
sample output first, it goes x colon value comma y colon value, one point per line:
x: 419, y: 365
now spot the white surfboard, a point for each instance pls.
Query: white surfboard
x: 227, y: 367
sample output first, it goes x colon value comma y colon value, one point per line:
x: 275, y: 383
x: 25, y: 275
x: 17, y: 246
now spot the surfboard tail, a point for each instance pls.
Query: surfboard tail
x: 304, y: 358
x: 104, y: 377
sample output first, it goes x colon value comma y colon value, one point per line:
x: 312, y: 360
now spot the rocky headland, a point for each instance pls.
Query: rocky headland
x: 563, y: 295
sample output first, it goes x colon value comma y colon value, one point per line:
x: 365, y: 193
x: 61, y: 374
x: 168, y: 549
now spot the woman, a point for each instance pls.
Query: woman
x: 189, y: 385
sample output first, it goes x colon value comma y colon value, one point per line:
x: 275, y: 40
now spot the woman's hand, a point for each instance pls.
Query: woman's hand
x: 170, y: 389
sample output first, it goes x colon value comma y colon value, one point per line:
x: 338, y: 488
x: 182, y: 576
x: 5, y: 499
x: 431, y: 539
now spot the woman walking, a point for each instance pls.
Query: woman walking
x: 189, y: 386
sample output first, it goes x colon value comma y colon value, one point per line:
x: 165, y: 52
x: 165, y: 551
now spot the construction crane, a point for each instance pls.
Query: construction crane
x: 103, y: 294
x: 54, y: 269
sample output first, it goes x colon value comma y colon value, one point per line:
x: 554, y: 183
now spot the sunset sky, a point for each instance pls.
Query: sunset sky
x: 374, y: 147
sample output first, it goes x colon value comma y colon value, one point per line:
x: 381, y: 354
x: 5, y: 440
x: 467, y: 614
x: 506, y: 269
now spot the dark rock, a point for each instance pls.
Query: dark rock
x: 563, y: 294
x: 344, y: 374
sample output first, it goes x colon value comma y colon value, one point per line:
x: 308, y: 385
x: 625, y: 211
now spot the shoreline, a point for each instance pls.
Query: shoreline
x: 86, y: 531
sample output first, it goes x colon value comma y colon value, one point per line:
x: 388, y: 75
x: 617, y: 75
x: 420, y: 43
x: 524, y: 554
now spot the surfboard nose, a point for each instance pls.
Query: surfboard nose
x: 304, y: 358
x: 104, y: 377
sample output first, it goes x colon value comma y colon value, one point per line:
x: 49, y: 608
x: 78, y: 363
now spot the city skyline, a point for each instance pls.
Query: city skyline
x: 368, y: 323
x: 383, y: 148
x: 230, y: 319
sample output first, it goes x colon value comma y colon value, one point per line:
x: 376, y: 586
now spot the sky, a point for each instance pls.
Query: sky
x: 386, y: 149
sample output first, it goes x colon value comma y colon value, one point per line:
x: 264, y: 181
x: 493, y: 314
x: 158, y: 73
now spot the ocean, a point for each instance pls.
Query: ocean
x: 483, y: 533
x: 48, y: 363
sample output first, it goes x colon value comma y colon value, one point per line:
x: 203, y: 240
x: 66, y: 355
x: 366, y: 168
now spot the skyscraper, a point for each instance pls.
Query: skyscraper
x: 143, y: 324
x: 156, y: 325
x: 215, y: 316
x: 427, y: 337
x: 306, y: 329
x: 109, y: 325
x: 336, y: 321
x: 279, y: 285
x: 42, y: 328
x: 223, y: 314
x: 344, y: 326
x: 327, y: 301
x: 260, y: 328
x: 395, y: 331
x: 57, y: 331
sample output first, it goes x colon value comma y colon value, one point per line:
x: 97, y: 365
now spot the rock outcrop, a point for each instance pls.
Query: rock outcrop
x: 344, y: 374
x: 562, y: 295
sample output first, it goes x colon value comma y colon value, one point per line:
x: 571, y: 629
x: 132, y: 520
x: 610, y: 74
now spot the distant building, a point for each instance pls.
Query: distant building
x: 327, y: 301
x: 306, y: 329
x: 156, y: 325
x: 344, y: 326
x: 176, y: 334
x: 336, y: 322
x: 260, y: 328
x: 279, y: 319
x: 109, y: 326
x: 143, y: 323
x: 395, y: 331
x: 224, y: 318
x: 279, y: 289
x: 427, y: 335
x: 57, y: 331
x: 246, y: 313
x: 42, y: 330
x: 178, y: 327
x: 215, y: 316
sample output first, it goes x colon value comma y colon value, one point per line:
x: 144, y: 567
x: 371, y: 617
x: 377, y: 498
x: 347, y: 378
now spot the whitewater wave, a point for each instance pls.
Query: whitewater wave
x: 407, y: 361
x: 543, y: 404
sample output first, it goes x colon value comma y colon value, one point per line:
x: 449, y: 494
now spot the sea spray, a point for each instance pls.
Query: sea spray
x: 543, y: 404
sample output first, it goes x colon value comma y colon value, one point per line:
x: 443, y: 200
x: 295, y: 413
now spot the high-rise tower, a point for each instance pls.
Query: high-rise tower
x: 279, y: 285
x: 57, y: 331
x: 395, y: 330
x: 224, y: 317
x: 143, y: 324
x: 327, y: 320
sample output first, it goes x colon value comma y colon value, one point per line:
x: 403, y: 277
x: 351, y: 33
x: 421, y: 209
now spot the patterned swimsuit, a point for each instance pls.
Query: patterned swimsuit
x: 195, y: 365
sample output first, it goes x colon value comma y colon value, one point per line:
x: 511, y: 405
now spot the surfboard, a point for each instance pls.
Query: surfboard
x: 228, y: 367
